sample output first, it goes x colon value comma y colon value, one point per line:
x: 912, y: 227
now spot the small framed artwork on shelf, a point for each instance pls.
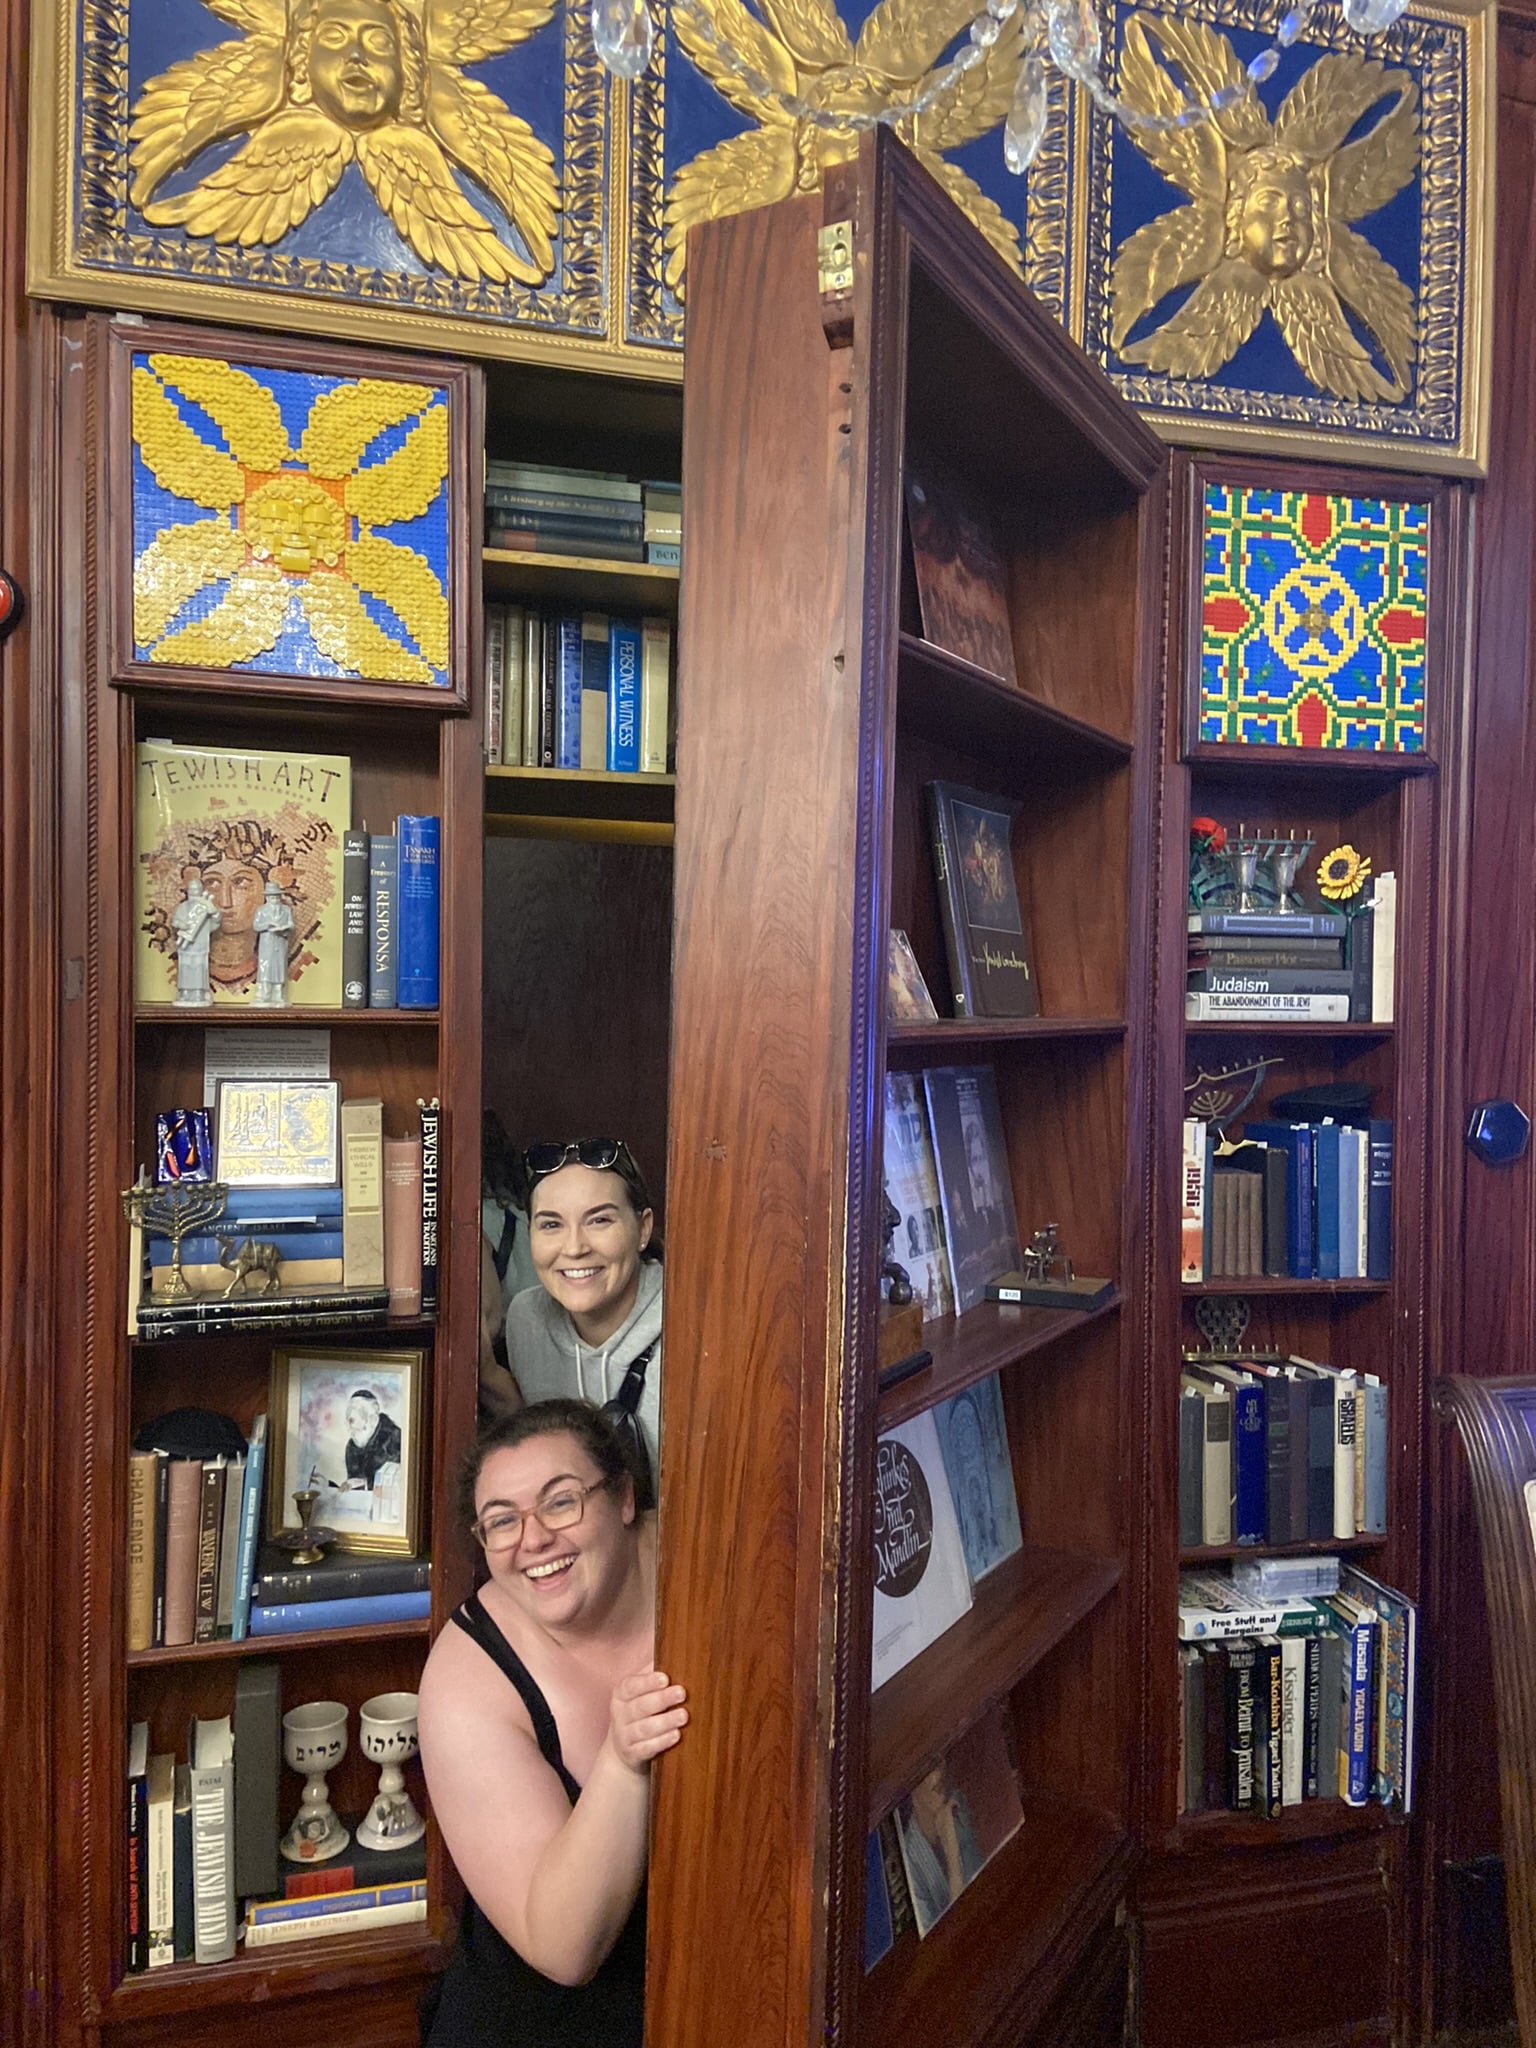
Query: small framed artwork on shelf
x: 1318, y: 608
x: 298, y: 517
x: 348, y: 1432
x: 275, y: 1133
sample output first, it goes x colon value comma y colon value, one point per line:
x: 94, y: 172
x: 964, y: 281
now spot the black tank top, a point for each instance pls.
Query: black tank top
x: 491, y: 1998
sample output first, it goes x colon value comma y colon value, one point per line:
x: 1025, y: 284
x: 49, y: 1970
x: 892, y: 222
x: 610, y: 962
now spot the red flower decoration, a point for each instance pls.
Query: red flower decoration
x: 1207, y: 836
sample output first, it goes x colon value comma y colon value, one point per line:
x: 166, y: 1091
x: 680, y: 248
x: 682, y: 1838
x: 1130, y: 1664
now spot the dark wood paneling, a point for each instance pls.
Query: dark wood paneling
x: 578, y: 942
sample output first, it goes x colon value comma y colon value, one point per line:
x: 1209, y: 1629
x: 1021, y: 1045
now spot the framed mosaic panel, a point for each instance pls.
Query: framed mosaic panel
x: 421, y: 173
x: 1316, y: 612
x: 1308, y: 271
x: 298, y: 515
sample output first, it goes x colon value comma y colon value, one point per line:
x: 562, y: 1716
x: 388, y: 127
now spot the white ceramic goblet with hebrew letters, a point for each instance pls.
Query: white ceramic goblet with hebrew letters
x: 314, y: 1742
x: 388, y: 1735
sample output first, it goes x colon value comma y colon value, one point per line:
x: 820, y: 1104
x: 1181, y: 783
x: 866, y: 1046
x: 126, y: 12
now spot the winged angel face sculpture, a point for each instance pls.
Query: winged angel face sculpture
x: 802, y: 48
x: 1267, y: 227
x: 315, y: 85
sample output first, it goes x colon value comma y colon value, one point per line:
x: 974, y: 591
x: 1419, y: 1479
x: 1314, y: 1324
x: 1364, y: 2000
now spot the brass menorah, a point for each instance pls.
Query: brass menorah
x: 176, y: 1211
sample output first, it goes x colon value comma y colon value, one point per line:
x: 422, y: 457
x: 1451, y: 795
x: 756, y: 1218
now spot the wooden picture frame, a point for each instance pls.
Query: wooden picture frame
x: 320, y: 1399
x: 297, y: 517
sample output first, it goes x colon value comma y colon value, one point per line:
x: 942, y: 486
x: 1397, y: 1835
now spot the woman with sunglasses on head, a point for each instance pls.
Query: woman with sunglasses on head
x: 592, y: 1327
x: 540, y: 1714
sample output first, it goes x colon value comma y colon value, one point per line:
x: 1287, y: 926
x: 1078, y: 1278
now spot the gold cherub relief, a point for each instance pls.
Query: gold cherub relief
x: 802, y: 48
x: 319, y: 84
x: 1267, y: 228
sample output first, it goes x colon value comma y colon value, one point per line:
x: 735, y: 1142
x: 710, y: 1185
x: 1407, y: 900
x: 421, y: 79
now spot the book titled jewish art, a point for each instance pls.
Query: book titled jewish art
x: 238, y: 819
x: 989, y: 966
x: 921, y: 1583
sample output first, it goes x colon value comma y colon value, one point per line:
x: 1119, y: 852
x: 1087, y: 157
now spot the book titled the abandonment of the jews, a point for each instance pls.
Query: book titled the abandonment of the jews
x: 990, y: 971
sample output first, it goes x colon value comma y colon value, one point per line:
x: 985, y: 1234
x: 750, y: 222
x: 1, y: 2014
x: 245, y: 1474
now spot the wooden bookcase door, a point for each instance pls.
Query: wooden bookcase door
x: 813, y: 713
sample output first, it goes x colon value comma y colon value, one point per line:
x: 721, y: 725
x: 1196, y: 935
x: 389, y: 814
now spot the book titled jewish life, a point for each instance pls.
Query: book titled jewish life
x: 990, y: 974
x: 975, y: 1193
x: 921, y: 1583
x: 238, y: 819
x: 974, y: 1440
x: 954, y: 1820
x: 912, y: 1183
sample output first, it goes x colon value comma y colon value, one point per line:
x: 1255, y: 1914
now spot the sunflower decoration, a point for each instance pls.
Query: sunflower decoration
x: 1342, y: 874
x: 293, y: 548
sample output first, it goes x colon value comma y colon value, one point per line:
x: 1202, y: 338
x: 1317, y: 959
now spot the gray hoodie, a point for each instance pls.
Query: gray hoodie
x: 550, y: 1361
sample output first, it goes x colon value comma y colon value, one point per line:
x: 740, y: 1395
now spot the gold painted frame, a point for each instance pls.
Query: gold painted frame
x: 402, y: 1535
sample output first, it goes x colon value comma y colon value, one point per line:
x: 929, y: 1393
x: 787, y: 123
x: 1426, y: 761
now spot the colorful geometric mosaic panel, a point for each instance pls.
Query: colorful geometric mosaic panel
x: 288, y: 523
x: 1313, y: 617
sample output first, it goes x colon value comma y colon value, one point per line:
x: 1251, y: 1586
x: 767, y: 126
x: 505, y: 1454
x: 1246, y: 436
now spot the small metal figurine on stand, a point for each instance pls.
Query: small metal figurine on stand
x: 273, y: 925
x: 194, y: 920
x: 1046, y: 1279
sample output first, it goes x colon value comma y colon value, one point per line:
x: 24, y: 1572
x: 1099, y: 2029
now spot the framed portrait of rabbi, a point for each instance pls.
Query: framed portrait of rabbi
x: 346, y: 1425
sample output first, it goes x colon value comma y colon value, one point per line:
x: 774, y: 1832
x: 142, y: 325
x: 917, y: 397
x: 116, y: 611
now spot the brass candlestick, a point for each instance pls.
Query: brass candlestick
x: 307, y: 1543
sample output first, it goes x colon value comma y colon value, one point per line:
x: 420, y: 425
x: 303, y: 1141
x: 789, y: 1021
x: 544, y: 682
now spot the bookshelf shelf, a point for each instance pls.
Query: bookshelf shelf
x: 578, y: 795
x: 359, y: 1333
x: 513, y: 577
x: 162, y: 1014
x: 297, y: 1969
x: 1254, y: 1027
x: 1209, y: 1553
x: 1008, y: 1942
x: 1238, y: 1283
x: 1312, y: 1819
x: 967, y: 1348
x: 1021, y: 1611
x: 1308, y: 764
x: 269, y: 1646
x: 933, y: 1035
x: 952, y: 700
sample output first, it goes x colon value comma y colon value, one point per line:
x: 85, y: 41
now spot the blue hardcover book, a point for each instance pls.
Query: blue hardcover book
x: 1269, y: 924
x: 418, y: 920
x: 1357, y: 1746
x: 291, y: 1244
x: 1378, y: 1247
x: 369, y: 1610
x: 1250, y: 1463
x: 879, y: 1934
x: 383, y: 882
x: 1325, y: 1210
x: 283, y: 1209
x: 624, y: 696
x: 1296, y: 1140
x: 568, y: 691
x: 974, y: 1441
x: 250, y: 1525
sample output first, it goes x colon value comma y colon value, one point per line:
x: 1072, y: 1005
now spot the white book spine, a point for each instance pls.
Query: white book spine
x: 162, y: 1835
x: 1293, y: 1727
x: 213, y: 1877
x: 229, y: 1546
x: 1218, y: 1468
x: 357, y: 1921
x: 1384, y: 949
x: 1201, y: 1008
x: 1192, y: 1202
x: 1345, y: 1392
x: 655, y: 694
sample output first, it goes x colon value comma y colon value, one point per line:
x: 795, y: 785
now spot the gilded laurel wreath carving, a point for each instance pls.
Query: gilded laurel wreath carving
x: 1267, y: 227
x: 802, y: 48
x: 379, y: 83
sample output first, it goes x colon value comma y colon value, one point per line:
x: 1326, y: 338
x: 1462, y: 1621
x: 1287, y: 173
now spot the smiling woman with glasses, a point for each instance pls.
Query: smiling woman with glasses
x: 591, y: 1328
x: 540, y: 1714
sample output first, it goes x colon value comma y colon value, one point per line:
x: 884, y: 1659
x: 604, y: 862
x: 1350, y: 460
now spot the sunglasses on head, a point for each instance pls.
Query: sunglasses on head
x: 600, y: 1154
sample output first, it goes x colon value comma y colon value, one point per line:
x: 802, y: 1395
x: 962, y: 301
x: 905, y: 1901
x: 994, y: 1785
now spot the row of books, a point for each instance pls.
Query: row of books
x: 941, y: 1837
x: 576, y: 690
x: 1319, y: 967
x: 1285, y: 1700
x: 197, y: 1573
x: 203, y: 1841
x: 1304, y: 1201
x: 946, y: 1515
x: 946, y: 1173
x: 391, y: 916
x: 531, y: 508
x: 351, y: 1257
x: 1277, y: 1450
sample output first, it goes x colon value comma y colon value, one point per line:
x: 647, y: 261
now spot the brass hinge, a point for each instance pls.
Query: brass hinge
x: 834, y: 259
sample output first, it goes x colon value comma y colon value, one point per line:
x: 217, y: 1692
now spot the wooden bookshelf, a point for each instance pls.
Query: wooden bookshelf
x: 986, y: 1339
x: 944, y: 1034
x: 275, y: 1645
x: 345, y: 1965
x: 517, y: 578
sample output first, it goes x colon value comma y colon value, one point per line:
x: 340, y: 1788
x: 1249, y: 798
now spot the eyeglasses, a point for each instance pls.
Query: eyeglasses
x: 502, y: 1529
x: 600, y: 1154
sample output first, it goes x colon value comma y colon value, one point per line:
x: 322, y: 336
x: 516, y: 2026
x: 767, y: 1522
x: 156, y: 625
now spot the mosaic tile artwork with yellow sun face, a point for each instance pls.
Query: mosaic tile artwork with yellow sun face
x: 289, y: 523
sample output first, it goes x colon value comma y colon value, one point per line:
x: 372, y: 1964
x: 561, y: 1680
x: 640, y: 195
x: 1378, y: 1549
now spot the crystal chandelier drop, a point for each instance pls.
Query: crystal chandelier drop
x: 1063, y: 33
